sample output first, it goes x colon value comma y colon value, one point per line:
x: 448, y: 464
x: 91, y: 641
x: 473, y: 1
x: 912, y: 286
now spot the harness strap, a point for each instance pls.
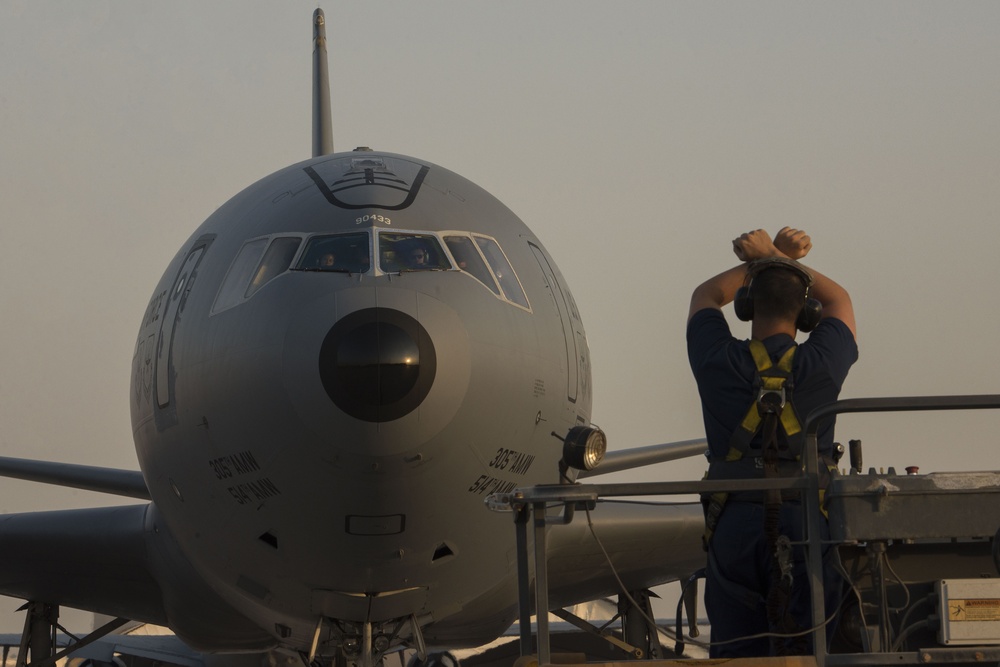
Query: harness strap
x: 772, y: 378
x: 773, y: 383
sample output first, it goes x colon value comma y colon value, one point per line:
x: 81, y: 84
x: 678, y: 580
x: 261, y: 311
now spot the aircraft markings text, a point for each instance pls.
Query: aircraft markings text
x: 365, y: 219
x: 258, y: 489
x: 487, y: 485
x: 234, y: 464
x: 519, y: 462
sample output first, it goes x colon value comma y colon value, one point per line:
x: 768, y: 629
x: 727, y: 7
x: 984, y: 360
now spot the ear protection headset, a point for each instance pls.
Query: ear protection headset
x: 812, y: 309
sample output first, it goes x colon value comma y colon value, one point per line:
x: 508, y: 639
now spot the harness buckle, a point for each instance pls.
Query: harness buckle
x: 770, y: 401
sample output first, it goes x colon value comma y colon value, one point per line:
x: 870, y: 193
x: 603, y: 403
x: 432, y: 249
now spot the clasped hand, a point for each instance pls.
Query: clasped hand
x: 789, y: 242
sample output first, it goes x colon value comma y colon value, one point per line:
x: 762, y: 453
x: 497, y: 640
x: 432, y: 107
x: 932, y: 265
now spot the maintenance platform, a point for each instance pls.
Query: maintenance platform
x: 921, y: 554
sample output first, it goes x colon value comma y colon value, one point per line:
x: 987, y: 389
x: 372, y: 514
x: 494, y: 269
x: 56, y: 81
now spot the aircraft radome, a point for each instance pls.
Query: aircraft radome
x: 333, y: 373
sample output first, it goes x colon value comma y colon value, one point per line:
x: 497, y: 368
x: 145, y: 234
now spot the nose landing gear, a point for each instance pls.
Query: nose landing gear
x: 441, y: 659
x: 379, y: 645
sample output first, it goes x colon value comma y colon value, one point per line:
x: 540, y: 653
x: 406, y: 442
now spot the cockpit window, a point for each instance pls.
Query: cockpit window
x: 254, y: 267
x: 339, y: 253
x: 502, y: 270
x: 276, y: 261
x: 410, y: 252
x: 234, y: 287
x: 470, y: 261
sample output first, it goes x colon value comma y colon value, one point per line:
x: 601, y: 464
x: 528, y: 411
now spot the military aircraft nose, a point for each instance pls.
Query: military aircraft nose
x: 373, y: 370
x: 377, y: 364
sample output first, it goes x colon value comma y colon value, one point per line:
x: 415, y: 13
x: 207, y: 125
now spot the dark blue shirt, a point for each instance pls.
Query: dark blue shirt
x: 725, y: 373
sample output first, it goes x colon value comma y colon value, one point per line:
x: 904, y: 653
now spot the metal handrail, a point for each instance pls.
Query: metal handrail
x: 534, y: 499
x: 812, y: 503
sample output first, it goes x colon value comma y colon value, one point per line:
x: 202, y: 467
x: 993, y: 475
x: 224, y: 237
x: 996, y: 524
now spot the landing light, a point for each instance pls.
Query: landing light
x: 584, y: 447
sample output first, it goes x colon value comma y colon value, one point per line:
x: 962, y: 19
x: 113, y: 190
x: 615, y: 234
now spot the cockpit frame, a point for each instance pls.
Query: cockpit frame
x: 262, y: 259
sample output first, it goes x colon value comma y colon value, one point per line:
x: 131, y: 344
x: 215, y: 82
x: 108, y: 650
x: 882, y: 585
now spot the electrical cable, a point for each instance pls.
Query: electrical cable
x: 885, y: 559
x: 916, y: 605
x: 621, y: 585
x: 696, y: 642
x: 838, y: 565
x: 928, y: 622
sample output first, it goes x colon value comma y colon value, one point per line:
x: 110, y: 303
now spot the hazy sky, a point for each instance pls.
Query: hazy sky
x: 636, y: 139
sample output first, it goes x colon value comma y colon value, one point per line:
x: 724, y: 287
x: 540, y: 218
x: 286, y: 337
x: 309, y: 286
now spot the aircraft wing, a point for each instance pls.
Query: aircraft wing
x: 647, y: 544
x: 122, y: 562
x: 161, y: 648
x: 142, y: 650
x: 157, y: 650
x: 92, y: 559
x: 129, y: 483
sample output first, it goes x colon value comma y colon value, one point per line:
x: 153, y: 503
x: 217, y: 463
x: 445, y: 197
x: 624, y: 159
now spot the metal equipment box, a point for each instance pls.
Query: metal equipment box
x: 969, y: 610
x: 877, y: 507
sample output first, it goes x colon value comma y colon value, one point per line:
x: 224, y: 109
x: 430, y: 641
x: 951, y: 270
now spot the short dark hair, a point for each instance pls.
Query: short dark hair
x: 778, y: 293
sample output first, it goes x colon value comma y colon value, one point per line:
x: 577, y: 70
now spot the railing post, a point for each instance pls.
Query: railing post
x: 814, y: 546
x: 541, y: 586
x: 522, y: 513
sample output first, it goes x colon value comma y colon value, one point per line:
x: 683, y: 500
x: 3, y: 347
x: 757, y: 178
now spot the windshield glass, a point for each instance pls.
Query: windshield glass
x: 502, y: 270
x: 410, y: 252
x: 343, y: 253
x: 234, y: 287
x: 470, y: 261
x: 276, y: 261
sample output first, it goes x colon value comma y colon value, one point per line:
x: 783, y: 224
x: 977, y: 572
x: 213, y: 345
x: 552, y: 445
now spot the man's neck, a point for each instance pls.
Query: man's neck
x: 761, y: 329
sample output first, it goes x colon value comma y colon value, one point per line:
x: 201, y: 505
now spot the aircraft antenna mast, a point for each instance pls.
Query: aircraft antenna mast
x: 322, y: 123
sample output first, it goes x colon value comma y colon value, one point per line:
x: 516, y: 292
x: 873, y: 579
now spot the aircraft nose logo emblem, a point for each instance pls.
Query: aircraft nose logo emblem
x: 369, y: 181
x: 377, y: 364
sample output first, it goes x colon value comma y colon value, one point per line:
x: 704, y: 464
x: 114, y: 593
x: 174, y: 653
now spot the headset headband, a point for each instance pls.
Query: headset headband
x: 812, y: 310
x: 758, y: 265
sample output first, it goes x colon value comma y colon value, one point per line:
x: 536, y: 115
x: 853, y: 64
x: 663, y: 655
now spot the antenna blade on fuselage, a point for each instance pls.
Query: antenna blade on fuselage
x: 322, y: 122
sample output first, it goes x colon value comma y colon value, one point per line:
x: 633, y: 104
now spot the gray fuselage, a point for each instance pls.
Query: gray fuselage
x: 319, y: 438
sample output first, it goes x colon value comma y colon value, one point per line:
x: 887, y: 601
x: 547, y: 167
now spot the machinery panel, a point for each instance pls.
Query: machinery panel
x: 897, y: 507
x: 969, y: 610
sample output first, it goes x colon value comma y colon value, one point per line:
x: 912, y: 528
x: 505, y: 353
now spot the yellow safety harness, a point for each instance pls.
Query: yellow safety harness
x: 771, y: 415
x: 774, y: 393
x: 772, y: 406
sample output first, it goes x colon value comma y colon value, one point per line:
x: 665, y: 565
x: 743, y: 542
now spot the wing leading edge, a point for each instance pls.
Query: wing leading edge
x: 128, y: 483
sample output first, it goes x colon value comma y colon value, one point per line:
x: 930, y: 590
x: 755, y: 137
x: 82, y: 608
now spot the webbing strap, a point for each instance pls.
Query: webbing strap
x: 772, y: 378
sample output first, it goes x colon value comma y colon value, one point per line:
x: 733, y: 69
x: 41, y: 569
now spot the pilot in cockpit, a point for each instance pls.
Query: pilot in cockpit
x: 327, y: 261
x: 410, y: 252
x: 417, y: 257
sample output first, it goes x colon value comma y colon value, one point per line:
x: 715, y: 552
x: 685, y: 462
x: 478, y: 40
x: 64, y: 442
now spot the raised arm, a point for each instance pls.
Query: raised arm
x: 717, y: 291
x: 792, y: 243
x: 720, y: 290
x: 835, y: 299
x: 796, y: 244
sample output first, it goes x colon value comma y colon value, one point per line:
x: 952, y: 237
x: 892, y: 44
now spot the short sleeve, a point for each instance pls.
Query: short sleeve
x: 707, y: 329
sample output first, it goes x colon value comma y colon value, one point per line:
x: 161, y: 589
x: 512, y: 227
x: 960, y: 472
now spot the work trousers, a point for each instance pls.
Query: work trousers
x: 739, y: 576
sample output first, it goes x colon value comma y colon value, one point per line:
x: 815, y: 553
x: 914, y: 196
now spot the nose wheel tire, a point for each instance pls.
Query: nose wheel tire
x: 442, y: 659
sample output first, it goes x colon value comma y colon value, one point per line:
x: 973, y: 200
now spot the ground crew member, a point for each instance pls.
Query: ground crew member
x: 748, y: 590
